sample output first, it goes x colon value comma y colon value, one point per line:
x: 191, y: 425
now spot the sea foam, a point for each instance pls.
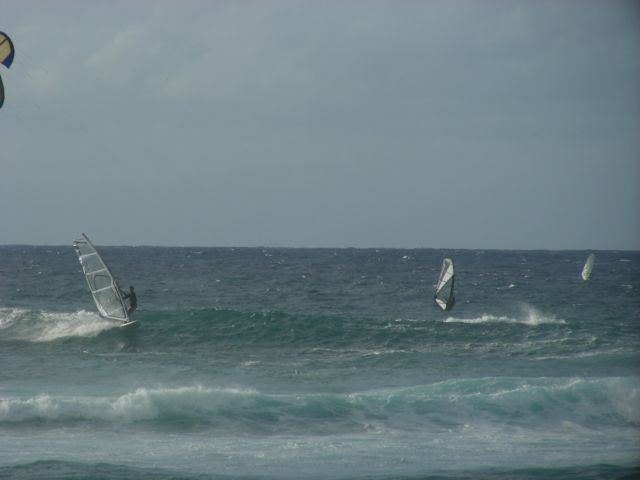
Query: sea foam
x: 532, y: 403
x: 43, y: 326
x: 529, y: 316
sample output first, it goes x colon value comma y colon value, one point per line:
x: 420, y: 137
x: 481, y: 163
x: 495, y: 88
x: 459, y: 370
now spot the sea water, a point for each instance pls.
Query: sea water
x: 321, y: 364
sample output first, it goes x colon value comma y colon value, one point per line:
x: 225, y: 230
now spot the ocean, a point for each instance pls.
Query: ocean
x: 285, y: 363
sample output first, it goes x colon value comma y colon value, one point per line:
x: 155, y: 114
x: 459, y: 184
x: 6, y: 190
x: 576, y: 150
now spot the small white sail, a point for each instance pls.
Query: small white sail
x: 588, y: 266
x: 444, y: 296
x: 104, y: 288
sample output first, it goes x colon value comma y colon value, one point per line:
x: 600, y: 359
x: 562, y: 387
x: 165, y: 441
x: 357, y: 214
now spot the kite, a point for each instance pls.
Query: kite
x: 6, y: 58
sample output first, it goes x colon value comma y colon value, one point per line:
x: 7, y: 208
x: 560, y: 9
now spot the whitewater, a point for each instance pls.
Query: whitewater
x: 270, y: 363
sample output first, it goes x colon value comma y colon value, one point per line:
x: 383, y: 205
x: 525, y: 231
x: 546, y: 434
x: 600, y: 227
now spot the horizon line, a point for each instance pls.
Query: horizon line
x: 70, y: 245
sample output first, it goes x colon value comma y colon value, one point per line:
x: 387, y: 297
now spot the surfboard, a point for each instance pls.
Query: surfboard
x: 130, y: 325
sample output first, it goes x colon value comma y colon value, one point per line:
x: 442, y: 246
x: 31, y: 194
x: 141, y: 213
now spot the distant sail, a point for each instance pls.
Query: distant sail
x: 104, y: 288
x: 588, y: 267
x: 444, y: 296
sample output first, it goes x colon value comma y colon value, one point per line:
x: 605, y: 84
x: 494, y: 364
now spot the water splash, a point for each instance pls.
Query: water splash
x: 43, y: 326
x: 529, y: 316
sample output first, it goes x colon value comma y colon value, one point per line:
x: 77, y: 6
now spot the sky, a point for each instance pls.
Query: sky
x: 329, y: 123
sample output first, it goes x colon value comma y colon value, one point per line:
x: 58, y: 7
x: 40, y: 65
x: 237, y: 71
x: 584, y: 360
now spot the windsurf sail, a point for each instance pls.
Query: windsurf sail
x: 444, y: 296
x: 104, y: 288
x: 588, y: 266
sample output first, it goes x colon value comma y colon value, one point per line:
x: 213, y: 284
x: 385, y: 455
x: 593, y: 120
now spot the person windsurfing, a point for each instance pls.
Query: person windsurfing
x: 133, y: 300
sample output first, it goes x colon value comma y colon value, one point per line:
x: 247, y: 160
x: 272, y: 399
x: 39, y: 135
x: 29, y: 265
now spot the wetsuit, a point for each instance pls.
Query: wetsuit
x: 133, y: 301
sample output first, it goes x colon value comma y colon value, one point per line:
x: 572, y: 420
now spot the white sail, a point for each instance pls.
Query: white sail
x: 103, y: 285
x: 588, y: 266
x: 444, y: 296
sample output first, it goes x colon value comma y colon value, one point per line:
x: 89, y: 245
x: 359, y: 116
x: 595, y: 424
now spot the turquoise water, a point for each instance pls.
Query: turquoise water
x: 321, y: 363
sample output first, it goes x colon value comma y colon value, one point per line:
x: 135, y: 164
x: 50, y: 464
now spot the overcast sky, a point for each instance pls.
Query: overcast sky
x: 445, y: 124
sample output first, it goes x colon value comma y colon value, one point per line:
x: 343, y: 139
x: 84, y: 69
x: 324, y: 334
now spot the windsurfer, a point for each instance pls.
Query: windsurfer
x: 133, y: 300
x: 451, y: 303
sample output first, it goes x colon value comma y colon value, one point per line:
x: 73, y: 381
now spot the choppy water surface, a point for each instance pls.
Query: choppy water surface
x: 321, y: 363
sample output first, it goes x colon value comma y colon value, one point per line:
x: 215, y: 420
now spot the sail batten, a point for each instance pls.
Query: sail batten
x: 444, y: 296
x: 104, y: 288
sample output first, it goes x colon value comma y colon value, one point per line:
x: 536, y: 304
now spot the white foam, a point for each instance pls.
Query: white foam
x: 484, y: 318
x: 530, y: 316
x: 251, y: 363
x: 77, y: 324
x: 139, y: 405
x: 384, y: 351
x: 43, y: 326
x: 535, y: 317
x: 8, y: 316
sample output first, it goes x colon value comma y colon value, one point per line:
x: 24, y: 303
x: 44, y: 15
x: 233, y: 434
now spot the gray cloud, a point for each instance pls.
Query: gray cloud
x: 418, y: 124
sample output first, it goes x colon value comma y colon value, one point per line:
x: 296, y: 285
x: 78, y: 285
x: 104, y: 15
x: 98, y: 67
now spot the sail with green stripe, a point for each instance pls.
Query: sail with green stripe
x: 588, y: 267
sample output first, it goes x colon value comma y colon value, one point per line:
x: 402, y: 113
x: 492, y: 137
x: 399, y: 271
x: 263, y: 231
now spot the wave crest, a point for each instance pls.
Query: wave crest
x: 534, y: 403
x: 42, y: 326
x: 529, y: 316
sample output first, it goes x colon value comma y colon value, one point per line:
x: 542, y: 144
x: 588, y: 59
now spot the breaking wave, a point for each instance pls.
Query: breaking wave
x: 453, y: 404
x: 43, y: 326
x: 529, y: 316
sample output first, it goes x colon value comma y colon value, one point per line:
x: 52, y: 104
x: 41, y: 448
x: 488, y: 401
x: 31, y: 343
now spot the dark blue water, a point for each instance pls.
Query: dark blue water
x: 321, y: 363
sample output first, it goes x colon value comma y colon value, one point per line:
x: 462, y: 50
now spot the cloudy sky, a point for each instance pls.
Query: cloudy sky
x: 466, y: 124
